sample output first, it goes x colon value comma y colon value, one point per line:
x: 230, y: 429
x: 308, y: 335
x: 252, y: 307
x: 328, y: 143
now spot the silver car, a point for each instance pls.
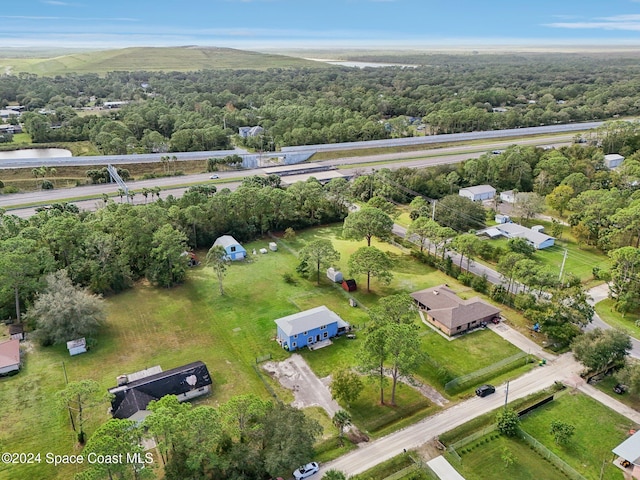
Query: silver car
x: 307, y: 470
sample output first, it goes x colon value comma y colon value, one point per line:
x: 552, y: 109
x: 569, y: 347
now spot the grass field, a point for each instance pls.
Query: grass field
x: 154, y: 59
x: 148, y: 326
x: 627, y: 323
x: 590, y: 447
x: 588, y: 451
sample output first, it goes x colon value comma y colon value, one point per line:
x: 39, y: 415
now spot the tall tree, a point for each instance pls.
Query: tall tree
x: 65, y: 311
x: 22, y: 263
x: 319, y: 253
x: 368, y: 222
x: 625, y: 278
x: 422, y: 228
x: 528, y: 205
x: 372, y: 357
x: 373, y: 263
x: 467, y: 246
x: 460, y: 213
x: 599, y: 350
x: 399, y: 308
x: 405, y: 354
x: 78, y: 398
x: 346, y: 386
x: 341, y: 419
x: 217, y: 258
x: 117, y: 439
x: 167, y: 264
x: 165, y: 423
x: 560, y: 197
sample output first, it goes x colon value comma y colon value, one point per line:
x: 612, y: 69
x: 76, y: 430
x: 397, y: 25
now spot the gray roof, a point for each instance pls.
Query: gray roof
x: 630, y: 449
x: 308, y: 320
x: 478, y: 189
x: 515, y: 230
x: 452, y: 311
x: 613, y: 156
x: 226, y: 241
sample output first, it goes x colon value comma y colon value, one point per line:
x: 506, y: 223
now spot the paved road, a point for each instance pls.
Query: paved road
x: 427, y: 158
x: 452, y: 137
x: 598, y: 294
x: 377, y: 451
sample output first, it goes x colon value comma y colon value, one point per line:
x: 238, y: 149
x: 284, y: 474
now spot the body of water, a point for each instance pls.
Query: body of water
x: 43, y: 153
x: 360, y: 64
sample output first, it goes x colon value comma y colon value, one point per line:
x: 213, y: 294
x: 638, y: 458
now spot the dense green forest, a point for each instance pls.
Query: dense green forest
x: 202, y: 110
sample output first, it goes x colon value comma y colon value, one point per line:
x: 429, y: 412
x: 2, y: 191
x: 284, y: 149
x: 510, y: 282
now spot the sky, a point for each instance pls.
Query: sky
x: 256, y: 24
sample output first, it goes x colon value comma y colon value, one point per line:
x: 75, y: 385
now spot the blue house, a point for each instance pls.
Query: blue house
x: 309, y: 327
x: 234, y: 250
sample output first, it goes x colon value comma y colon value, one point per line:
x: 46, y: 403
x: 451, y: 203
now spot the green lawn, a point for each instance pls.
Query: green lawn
x: 580, y: 260
x: 627, y: 323
x: 148, y: 326
x: 482, y: 460
x: 598, y: 430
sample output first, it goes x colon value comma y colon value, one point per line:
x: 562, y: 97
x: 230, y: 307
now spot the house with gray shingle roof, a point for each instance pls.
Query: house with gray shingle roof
x: 451, y: 314
x: 306, y: 328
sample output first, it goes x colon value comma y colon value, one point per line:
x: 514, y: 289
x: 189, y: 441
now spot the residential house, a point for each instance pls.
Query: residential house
x: 508, y: 196
x: 613, y: 160
x: 629, y: 451
x: 135, y: 391
x: 245, y: 132
x: 234, y: 250
x: 535, y: 238
x: 309, y: 327
x: 478, y: 193
x: 451, y: 314
x: 9, y: 356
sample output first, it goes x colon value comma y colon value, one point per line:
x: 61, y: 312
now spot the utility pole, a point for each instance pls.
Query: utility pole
x: 564, y: 259
x: 506, y: 395
x: 433, y: 210
x: 66, y: 381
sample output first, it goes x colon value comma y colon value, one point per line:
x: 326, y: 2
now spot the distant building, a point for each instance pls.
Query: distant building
x: 478, y: 193
x: 245, y: 132
x: 613, y: 160
x: 234, y: 250
x: 118, y: 104
x: 508, y: 196
x: 534, y: 238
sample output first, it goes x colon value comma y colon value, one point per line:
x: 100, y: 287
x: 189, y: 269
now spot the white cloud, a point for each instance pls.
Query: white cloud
x: 74, y: 19
x: 623, y: 22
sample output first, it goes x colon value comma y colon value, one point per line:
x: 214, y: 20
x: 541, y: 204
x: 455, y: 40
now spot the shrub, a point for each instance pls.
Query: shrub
x: 289, y: 278
x: 47, y: 185
x: 11, y: 189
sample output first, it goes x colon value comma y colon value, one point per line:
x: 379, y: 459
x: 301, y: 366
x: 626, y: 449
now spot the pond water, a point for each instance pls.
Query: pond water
x: 34, y: 153
x: 345, y: 63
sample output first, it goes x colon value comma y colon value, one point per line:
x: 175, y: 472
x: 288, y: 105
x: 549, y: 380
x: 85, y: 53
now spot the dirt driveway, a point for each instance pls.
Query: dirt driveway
x: 309, y: 391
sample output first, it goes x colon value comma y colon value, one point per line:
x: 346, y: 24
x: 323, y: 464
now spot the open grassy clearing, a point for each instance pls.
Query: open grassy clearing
x: 154, y: 59
x: 598, y: 430
x: 627, y: 322
x: 170, y: 327
x: 588, y: 451
x: 484, y: 462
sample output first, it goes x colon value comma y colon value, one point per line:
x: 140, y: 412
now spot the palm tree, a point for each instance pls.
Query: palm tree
x: 342, y: 419
x: 121, y: 194
x: 334, y: 475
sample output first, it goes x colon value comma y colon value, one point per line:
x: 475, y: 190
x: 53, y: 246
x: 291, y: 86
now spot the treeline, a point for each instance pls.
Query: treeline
x: 111, y: 248
x: 203, y: 110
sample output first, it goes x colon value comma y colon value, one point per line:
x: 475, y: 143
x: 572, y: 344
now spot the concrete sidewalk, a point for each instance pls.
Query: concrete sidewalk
x: 525, y: 344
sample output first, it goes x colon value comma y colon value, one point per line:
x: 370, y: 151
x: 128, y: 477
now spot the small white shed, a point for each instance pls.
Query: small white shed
x: 538, y: 228
x: 273, y: 246
x: 499, y: 218
x: 613, y: 160
x: 334, y: 275
x: 76, y: 347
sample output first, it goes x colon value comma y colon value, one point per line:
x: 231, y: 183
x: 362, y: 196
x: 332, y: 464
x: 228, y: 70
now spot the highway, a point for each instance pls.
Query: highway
x: 349, y: 166
x: 102, y: 160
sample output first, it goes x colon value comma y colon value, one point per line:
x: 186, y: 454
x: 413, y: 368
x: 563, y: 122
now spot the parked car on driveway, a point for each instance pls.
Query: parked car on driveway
x: 485, y: 390
x: 307, y: 470
x: 620, y: 388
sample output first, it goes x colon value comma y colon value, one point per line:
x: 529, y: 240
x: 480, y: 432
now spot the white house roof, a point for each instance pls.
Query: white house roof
x: 9, y: 353
x: 80, y: 342
x: 611, y: 157
x: 630, y: 449
x: 490, y: 232
x: 514, y: 230
x: 308, y: 320
x: 226, y: 241
x: 479, y: 189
